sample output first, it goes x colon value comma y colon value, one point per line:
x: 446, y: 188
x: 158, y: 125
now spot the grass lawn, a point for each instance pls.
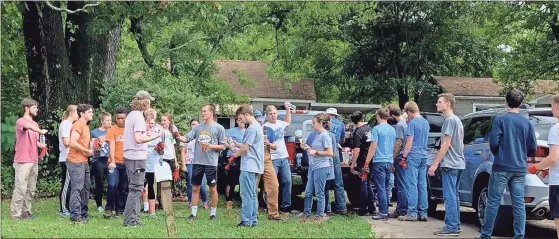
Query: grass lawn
x: 49, y: 224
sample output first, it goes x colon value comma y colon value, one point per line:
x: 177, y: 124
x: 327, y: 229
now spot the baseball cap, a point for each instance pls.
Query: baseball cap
x: 143, y: 95
x: 258, y: 115
x: 332, y: 111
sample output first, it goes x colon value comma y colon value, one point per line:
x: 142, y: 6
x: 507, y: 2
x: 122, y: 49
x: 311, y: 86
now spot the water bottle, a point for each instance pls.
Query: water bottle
x: 299, y: 157
x: 290, y: 106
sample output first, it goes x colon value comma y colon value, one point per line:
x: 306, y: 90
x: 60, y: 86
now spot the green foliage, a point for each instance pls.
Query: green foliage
x: 14, y: 81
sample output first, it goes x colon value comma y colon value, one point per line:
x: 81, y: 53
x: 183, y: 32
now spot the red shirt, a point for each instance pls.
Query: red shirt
x: 27, y: 149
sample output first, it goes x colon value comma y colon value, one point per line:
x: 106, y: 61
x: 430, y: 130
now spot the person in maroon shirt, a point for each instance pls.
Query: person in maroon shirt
x: 25, y: 160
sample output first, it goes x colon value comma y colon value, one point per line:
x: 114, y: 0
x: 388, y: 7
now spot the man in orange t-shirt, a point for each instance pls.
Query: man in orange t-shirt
x: 77, y: 165
x: 117, y: 190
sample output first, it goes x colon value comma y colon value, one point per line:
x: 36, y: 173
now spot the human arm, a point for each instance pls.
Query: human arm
x: 445, y: 145
x: 287, y: 115
x: 532, y: 144
x: 140, y: 138
x: 373, y: 147
x: 30, y: 126
x: 550, y: 159
x: 220, y: 140
x: 495, y: 136
x: 397, y: 147
x: 326, y: 142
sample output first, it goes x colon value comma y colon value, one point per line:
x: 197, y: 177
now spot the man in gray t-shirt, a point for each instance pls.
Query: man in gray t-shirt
x: 210, y: 140
x: 451, y: 159
x: 399, y: 174
x: 252, y: 164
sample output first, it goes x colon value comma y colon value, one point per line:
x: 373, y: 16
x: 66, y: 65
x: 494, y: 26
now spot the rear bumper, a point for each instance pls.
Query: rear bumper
x: 537, y: 212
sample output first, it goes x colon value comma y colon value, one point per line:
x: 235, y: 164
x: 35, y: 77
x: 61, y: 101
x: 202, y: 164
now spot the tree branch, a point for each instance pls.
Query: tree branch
x: 136, y: 29
x: 49, y: 4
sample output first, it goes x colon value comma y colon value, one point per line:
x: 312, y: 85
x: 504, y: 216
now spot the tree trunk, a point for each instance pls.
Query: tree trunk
x: 403, y: 98
x: 47, y: 61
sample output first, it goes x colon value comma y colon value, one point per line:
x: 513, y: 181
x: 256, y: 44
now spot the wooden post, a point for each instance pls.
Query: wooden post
x: 167, y: 200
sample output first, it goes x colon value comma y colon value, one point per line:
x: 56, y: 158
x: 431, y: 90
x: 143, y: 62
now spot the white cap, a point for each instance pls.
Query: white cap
x: 332, y: 111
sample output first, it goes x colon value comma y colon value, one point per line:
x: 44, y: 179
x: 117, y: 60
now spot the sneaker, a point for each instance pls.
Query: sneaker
x: 446, y: 232
x: 343, y: 212
x: 100, y: 209
x: 108, y: 214
x: 119, y: 214
x: 320, y: 219
x: 242, y: 224
x: 422, y: 219
x: 229, y: 204
x: 380, y: 217
x: 212, y: 217
x: 137, y: 224
x: 302, y: 216
x: 77, y: 221
x: 191, y: 217
x: 28, y: 215
x: 407, y: 218
x: 362, y: 213
x: 16, y: 218
x: 64, y: 214
x: 330, y: 214
x: 275, y: 218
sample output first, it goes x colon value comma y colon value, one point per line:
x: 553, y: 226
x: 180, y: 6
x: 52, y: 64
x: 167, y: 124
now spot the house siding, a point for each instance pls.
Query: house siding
x: 466, y: 106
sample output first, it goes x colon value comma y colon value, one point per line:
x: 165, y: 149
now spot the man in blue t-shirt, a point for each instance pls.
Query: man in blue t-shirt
x: 337, y: 128
x: 383, y: 137
x: 414, y: 160
x: 512, y: 140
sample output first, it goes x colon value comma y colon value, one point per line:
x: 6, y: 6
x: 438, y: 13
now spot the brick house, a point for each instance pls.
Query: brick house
x: 263, y: 91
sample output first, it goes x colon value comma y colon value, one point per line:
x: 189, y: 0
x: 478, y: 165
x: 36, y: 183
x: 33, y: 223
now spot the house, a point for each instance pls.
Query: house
x: 250, y: 78
x: 475, y: 94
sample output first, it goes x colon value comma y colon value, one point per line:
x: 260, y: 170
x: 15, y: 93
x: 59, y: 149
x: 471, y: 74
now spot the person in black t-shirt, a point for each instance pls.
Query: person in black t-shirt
x: 361, y: 142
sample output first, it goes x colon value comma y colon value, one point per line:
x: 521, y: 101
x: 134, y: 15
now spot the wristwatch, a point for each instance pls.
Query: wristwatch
x: 316, y: 153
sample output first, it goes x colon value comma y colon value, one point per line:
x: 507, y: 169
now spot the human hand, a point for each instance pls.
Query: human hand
x: 432, y: 170
x: 532, y: 169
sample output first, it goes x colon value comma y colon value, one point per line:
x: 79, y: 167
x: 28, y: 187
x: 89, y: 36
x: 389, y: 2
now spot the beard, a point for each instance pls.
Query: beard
x: 33, y: 114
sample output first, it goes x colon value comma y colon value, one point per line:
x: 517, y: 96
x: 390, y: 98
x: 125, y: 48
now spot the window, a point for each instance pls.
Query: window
x: 480, y: 107
x: 224, y: 121
x: 477, y: 130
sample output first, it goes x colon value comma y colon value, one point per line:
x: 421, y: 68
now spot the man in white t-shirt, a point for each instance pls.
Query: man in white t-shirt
x: 552, y: 162
x: 280, y: 155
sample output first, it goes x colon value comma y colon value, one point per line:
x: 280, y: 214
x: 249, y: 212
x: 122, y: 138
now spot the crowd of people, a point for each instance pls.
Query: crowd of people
x: 394, y: 152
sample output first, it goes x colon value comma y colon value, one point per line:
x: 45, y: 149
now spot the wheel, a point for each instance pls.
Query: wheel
x: 503, y: 221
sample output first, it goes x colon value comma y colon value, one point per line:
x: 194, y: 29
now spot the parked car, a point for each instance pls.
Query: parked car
x: 479, y: 159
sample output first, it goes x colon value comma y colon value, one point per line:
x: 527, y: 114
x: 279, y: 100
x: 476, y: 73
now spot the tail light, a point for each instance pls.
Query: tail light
x: 539, y: 155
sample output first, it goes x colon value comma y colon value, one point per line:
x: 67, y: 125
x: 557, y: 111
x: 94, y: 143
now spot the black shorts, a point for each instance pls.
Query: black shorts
x: 198, y: 172
x: 553, y: 202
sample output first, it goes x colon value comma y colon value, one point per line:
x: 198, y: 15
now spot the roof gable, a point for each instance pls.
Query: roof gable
x: 260, y: 85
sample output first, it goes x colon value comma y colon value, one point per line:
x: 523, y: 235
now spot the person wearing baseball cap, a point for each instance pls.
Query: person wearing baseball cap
x: 135, y: 155
x: 337, y: 128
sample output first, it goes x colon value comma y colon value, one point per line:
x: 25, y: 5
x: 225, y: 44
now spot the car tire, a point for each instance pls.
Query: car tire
x: 503, y: 221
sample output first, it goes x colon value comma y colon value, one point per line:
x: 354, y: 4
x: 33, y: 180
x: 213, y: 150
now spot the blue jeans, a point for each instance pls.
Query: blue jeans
x: 339, y: 193
x: 247, y: 185
x: 390, y: 185
x: 117, y: 189
x: 381, y: 176
x: 416, y: 185
x: 284, y: 177
x: 203, y: 191
x: 400, y: 182
x: 451, y: 180
x: 498, y: 181
x: 316, y: 184
x: 367, y: 195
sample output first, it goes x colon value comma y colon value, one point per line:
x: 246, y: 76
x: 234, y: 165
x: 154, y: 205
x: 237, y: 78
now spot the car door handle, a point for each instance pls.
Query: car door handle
x: 477, y: 152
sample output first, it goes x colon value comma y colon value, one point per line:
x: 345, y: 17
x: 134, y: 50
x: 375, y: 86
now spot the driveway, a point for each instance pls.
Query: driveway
x: 396, y: 229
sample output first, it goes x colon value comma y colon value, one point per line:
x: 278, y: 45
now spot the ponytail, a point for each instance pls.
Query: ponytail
x: 69, y: 109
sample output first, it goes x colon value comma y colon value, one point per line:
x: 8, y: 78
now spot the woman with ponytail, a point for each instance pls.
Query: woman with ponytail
x: 68, y: 118
x: 320, y: 161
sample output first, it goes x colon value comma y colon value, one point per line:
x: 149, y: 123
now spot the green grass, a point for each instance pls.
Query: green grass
x: 49, y: 224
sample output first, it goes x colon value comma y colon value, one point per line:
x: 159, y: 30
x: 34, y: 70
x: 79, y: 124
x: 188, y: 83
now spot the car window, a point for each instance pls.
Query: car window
x: 477, y: 130
x: 296, y: 123
x: 435, y: 122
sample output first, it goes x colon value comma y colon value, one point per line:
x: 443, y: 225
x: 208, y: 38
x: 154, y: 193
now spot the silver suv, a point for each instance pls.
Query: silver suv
x: 479, y: 159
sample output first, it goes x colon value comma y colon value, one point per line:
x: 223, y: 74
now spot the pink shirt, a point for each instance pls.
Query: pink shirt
x: 27, y: 150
